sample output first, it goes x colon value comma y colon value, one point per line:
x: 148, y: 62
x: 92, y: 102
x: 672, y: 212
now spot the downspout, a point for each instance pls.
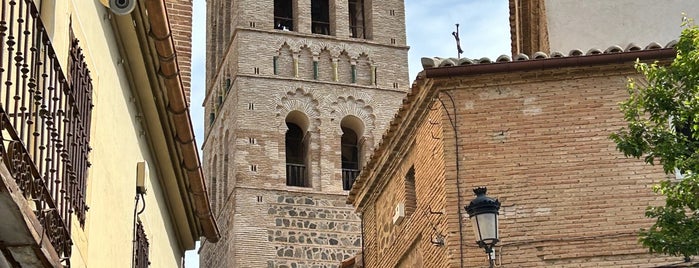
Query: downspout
x: 178, y: 112
x: 361, y: 217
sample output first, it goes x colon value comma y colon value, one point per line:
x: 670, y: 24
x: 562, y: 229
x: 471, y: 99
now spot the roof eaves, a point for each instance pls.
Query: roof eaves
x: 178, y: 111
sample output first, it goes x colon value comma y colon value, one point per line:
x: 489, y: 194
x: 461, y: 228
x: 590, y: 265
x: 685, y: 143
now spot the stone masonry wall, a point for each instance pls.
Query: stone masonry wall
x: 283, y: 229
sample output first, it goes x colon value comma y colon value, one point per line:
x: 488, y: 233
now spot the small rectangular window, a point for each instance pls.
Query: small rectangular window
x: 320, y: 17
x: 251, y: 106
x: 356, y: 18
x: 410, y: 194
x: 283, y: 15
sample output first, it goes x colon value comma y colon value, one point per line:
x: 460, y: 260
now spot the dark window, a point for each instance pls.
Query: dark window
x: 350, y: 157
x: 683, y: 130
x: 283, y: 15
x: 140, y: 258
x: 410, y: 194
x: 320, y: 17
x: 296, y: 171
x: 356, y: 18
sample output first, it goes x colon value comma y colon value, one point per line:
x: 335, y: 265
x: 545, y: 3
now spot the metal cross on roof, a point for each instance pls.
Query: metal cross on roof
x: 458, y: 42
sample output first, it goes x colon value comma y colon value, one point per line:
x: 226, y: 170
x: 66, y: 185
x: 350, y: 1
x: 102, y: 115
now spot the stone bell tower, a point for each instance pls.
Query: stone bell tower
x: 298, y: 94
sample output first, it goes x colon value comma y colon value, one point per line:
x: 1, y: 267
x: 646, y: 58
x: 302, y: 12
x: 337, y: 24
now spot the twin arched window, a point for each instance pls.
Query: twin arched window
x: 297, y: 148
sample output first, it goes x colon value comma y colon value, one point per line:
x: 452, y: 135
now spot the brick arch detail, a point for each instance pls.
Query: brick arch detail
x: 298, y: 99
x: 350, y: 105
x: 336, y: 50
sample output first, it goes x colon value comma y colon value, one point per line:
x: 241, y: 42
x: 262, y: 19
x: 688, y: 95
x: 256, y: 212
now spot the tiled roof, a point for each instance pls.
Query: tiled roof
x: 444, y: 62
x: 415, y: 95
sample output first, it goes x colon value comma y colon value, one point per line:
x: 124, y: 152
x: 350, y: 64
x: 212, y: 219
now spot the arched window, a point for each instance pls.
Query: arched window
x: 296, y: 140
x: 350, y: 149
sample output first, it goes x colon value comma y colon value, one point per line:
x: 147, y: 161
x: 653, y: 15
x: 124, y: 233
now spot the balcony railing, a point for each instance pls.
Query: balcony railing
x: 348, y: 177
x: 320, y: 27
x: 284, y: 23
x: 44, y: 121
x: 296, y: 175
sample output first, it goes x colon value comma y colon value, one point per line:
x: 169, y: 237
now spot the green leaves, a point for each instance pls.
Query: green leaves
x: 663, y: 127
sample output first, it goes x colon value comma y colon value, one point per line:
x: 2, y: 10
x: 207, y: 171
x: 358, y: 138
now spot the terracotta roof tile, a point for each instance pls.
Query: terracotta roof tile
x: 432, y: 62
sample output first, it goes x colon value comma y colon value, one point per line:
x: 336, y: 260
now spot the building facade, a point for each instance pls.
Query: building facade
x: 298, y: 92
x: 565, y: 25
x: 535, y: 132
x: 99, y: 165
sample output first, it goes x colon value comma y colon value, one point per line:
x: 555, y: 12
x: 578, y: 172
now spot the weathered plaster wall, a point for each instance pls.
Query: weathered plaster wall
x: 599, y: 24
x: 106, y: 239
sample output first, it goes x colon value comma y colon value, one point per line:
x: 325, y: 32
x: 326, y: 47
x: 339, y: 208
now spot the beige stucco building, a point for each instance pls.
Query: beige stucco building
x: 534, y: 131
x: 298, y: 93
x: 564, y: 25
x: 88, y: 98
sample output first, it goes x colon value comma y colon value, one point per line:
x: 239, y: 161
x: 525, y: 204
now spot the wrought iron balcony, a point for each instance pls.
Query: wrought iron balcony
x: 348, y: 177
x: 296, y: 175
x: 44, y: 122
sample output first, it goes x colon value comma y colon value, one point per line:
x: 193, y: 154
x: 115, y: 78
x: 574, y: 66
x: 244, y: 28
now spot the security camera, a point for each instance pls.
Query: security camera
x: 122, y: 7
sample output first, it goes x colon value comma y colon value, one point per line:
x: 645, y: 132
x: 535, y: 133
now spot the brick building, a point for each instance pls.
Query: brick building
x: 297, y: 94
x: 535, y: 132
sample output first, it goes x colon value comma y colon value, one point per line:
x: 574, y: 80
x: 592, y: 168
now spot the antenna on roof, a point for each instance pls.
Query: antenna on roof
x: 458, y: 42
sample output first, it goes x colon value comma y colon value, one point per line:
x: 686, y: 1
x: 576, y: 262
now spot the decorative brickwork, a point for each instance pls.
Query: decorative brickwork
x: 259, y: 78
x: 528, y: 26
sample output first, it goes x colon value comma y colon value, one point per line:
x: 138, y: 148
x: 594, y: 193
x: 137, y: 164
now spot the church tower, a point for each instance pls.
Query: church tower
x: 298, y: 94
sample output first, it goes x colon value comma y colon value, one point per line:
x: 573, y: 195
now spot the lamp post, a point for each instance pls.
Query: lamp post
x: 483, y: 212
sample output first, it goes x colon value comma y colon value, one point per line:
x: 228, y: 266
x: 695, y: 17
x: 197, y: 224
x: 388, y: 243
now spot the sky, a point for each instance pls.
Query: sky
x: 483, y: 29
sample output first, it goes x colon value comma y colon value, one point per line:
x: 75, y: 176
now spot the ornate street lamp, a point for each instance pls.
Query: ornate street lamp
x: 483, y: 212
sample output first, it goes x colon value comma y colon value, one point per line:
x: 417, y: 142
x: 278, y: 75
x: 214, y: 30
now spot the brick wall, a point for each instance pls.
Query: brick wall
x: 539, y: 141
x: 408, y: 243
x: 528, y: 27
x: 180, y: 16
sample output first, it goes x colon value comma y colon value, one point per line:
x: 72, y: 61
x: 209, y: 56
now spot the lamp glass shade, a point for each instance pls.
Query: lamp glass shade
x: 485, y: 227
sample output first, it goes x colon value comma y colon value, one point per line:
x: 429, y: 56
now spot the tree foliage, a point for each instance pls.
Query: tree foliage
x: 663, y: 128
